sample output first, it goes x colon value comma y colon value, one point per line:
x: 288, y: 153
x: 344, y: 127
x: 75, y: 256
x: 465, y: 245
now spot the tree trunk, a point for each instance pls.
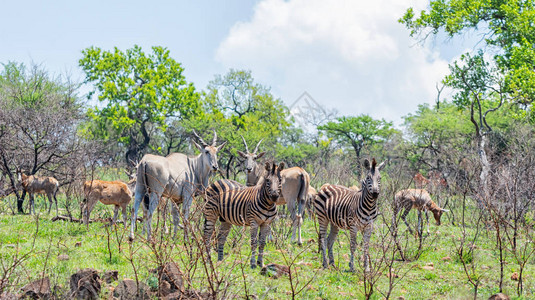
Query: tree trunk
x: 485, y: 164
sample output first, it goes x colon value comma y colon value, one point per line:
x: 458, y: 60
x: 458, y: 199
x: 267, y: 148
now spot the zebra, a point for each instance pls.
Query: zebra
x: 418, y: 199
x: 235, y: 204
x: 345, y: 208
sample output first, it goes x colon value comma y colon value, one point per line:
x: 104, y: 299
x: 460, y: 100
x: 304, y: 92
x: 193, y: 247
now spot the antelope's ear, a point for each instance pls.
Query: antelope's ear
x: 221, y: 146
x: 242, y: 154
x: 281, y: 166
x: 260, y: 155
x: 268, y: 166
x: 367, y: 164
x: 197, y: 145
x: 381, y: 165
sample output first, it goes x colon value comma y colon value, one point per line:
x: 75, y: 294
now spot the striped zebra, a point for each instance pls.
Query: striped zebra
x: 418, y: 199
x: 235, y: 204
x: 345, y: 208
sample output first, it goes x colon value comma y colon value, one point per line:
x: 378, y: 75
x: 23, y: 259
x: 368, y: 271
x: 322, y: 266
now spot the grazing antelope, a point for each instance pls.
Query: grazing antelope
x: 40, y: 185
x: 177, y: 177
x: 235, y: 204
x: 418, y: 199
x: 115, y: 193
x: 345, y: 208
x: 295, y: 185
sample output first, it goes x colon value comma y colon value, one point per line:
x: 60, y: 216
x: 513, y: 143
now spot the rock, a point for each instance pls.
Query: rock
x: 515, y: 276
x: 85, y: 284
x: 275, y: 270
x: 38, y: 289
x: 401, y: 298
x: 499, y: 296
x: 128, y: 289
x: 446, y: 258
x: 78, y: 244
x: 169, y: 279
x: 430, y: 264
x: 63, y: 257
x: 393, y: 275
x: 110, y: 276
x: 429, y: 268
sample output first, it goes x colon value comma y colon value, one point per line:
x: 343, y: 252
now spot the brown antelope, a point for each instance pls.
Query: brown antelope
x: 40, y: 185
x: 295, y: 185
x: 115, y: 193
x: 177, y: 177
x: 418, y: 199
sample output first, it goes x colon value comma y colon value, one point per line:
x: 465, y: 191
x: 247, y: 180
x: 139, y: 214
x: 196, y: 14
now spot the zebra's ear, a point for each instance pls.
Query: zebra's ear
x: 268, y: 166
x: 281, y: 166
x: 367, y: 164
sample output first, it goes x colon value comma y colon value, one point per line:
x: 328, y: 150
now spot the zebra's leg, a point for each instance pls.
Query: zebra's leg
x: 367, y: 234
x: 322, y: 232
x: 254, y: 242
x: 330, y: 241
x: 352, y: 247
x: 209, y: 224
x: 224, y: 229
x: 264, y: 231
x: 115, y: 213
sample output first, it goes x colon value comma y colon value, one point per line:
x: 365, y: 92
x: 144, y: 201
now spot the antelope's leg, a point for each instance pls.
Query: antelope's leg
x: 115, y: 214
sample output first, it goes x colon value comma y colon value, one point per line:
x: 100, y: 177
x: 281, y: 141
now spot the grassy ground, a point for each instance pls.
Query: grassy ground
x: 106, y: 248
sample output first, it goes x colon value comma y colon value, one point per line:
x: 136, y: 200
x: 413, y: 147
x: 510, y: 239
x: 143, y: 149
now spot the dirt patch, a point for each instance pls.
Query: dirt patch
x: 85, y: 284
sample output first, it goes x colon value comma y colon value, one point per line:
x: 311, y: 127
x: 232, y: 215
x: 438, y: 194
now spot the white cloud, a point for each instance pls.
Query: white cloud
x: 350, y: 55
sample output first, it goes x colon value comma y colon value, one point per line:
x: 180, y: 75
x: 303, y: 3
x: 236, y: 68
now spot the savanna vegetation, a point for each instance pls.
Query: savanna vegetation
x: 476, y: 150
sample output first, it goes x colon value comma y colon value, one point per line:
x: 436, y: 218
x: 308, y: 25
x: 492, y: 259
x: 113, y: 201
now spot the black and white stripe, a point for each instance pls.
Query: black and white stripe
x: 348, y: 209
x: 235, y: 204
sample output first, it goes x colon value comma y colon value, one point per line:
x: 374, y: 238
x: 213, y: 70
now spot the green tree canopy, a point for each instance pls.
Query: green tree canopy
x: 137, y: 90
x: 509, y: 37
x: 237, y: 105
x: 358, y: 132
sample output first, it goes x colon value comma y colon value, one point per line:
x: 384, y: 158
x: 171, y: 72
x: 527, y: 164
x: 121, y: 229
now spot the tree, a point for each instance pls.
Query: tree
x: 39, y: 118
x: 484, y: 82
x: 139, y: 92
x: 358, y: 132
x: 237, y: 106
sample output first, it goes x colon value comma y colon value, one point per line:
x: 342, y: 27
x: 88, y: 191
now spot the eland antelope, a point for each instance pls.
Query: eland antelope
x: 295, y: 186
x: 177, y: 177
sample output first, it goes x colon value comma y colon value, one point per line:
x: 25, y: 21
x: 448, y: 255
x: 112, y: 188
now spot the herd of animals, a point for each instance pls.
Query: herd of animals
x: 180, y: 178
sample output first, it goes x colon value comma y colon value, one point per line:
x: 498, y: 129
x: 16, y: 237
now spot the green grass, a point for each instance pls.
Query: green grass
x: 19, y: 234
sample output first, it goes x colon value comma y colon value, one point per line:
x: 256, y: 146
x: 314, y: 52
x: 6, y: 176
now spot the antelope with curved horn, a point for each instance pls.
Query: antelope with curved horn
x: 175, y: 176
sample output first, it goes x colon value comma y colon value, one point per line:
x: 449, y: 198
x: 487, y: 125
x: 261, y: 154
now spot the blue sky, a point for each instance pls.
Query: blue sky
x: 352, y: 56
